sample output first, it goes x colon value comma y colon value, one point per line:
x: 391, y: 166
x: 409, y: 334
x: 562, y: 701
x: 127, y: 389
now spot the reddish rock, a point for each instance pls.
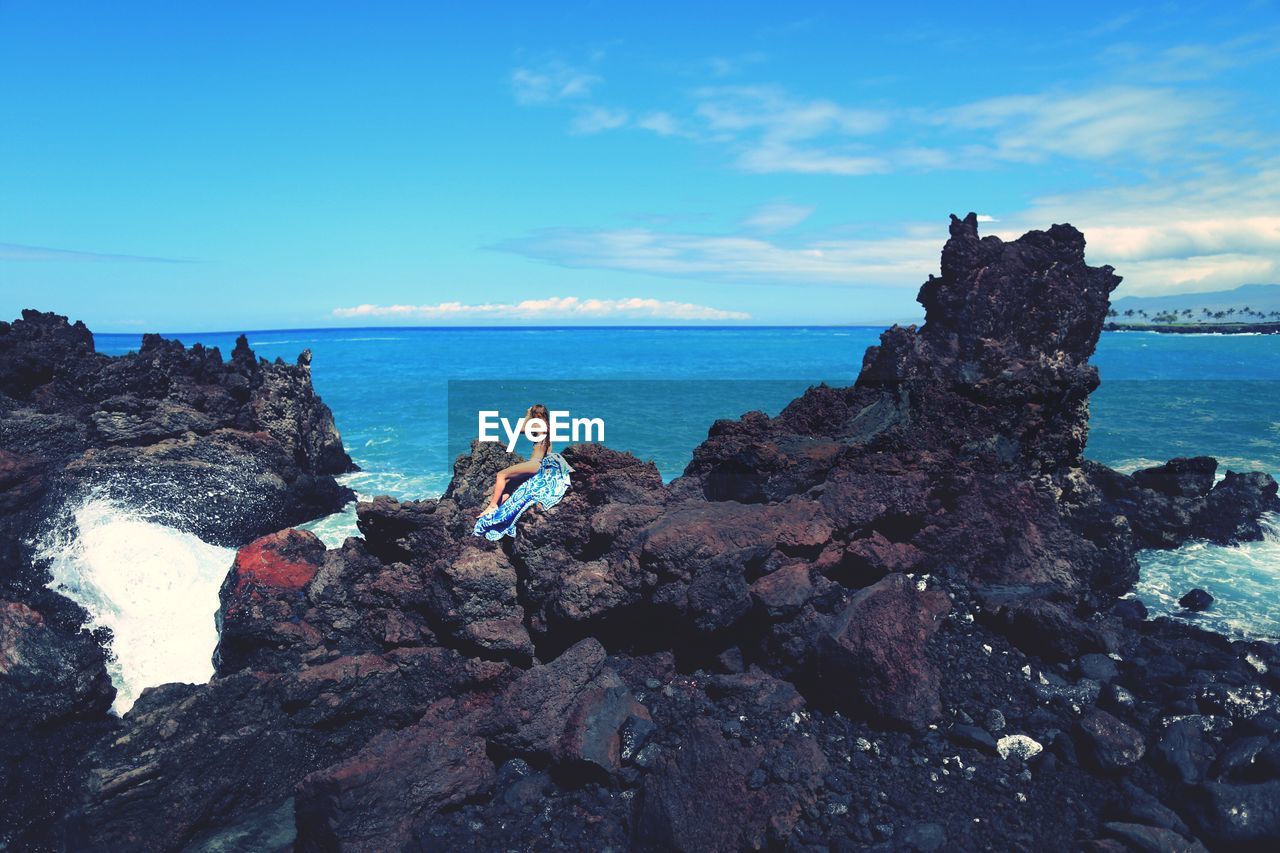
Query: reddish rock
x: 261, y: 621
x: 873, y: 659
x: 279, y: 561
x: 784, y: 591
x: 593, y: 730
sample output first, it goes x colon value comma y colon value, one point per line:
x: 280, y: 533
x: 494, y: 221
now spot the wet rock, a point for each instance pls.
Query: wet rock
x: 1130, y: 610
x: 873, y: 658
x: 47, y: 676
x: 1234, y: 509
x: 1196, y: 600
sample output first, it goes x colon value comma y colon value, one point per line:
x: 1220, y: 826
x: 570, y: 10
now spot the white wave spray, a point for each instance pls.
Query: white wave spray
x: 1243, y: 579
x: 155, y: 587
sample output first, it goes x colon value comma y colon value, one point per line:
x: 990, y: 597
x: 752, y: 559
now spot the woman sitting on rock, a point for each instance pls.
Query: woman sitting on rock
x: 545, y: 476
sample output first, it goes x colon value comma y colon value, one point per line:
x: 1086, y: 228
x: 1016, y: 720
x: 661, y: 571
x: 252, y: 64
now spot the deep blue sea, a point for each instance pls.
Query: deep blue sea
x: 659, y: 389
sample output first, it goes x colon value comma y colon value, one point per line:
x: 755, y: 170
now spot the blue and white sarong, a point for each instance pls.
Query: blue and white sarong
x: 546, y: 488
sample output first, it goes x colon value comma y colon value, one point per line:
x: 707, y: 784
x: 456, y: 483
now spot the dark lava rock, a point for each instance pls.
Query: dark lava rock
x: 1111, y: 743
x: 1098, y: 667
x: 1196, y: 600
x: 1152, y: 839
x: 373, y: 800
x: 924, y: 837
x: 1238, y: 815
x: 873, y: 660
x: 701, y: 797
x: 973, y: 736
x: 228, y: 450
x: 1182, y: 749
x: 1181, y: 477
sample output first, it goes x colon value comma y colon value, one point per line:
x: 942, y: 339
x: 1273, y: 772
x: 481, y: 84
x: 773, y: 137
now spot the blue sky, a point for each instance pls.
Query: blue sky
x: 184, y: 167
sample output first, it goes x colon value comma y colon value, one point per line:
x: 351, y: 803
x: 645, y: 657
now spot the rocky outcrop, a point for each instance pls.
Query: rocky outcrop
x: 888, y: 616
x: 226, y: 449
x: 229, y: 449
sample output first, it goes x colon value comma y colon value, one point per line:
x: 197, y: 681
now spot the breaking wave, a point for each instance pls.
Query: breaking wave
x: 155, y: 587
x: 1243, y: 579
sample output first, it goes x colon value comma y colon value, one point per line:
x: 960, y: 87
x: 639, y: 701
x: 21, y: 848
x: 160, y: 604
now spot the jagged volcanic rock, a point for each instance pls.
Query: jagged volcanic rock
x: 809, y: 641
x: 227, y: 450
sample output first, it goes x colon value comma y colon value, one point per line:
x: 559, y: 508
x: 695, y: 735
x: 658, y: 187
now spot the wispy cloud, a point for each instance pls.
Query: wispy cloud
x: 901, y: 261
x: 20, y: 252
x: 765, y: 129
x: 598, y: 120
x: 551, y: 308
x: 550, y: 82
x: 777, y: 217
x: 776, y: 132
x: 1218, y: 228
x: 1093, y: 125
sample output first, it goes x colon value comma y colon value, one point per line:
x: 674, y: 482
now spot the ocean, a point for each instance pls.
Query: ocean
x: 402, y: 400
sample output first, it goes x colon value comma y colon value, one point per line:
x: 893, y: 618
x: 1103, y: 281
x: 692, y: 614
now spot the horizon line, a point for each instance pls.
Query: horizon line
x: 446, y: 328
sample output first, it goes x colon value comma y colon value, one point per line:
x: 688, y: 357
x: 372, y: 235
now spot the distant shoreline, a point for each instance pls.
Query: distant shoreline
x: 1196, y: 328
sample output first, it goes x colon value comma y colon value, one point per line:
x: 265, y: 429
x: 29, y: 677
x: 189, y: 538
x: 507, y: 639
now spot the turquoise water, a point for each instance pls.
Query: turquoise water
x: 1161, y: 396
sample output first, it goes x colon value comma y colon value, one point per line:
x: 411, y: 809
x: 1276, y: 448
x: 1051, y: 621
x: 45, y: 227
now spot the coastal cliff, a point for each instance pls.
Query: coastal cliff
x: 889, y: 617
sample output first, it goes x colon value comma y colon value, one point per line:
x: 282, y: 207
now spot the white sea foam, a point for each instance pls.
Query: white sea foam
x: 1244, y: 581
x: 154, y: 586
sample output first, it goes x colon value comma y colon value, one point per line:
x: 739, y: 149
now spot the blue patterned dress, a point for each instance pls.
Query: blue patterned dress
x: 546, y: 488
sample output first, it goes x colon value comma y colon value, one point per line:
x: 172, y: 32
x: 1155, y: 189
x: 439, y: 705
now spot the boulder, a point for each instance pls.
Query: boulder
x: 873, y: 660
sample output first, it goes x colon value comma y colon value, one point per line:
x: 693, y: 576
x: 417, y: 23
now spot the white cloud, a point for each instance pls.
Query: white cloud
x: 777, y: 217
x: 1218, y: 229
x: 598, y: 120
x: 551, y: 82
x: 1097, y: 124
x: 551, y: 308
x: 661, y: 123
x: 904, y: 260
